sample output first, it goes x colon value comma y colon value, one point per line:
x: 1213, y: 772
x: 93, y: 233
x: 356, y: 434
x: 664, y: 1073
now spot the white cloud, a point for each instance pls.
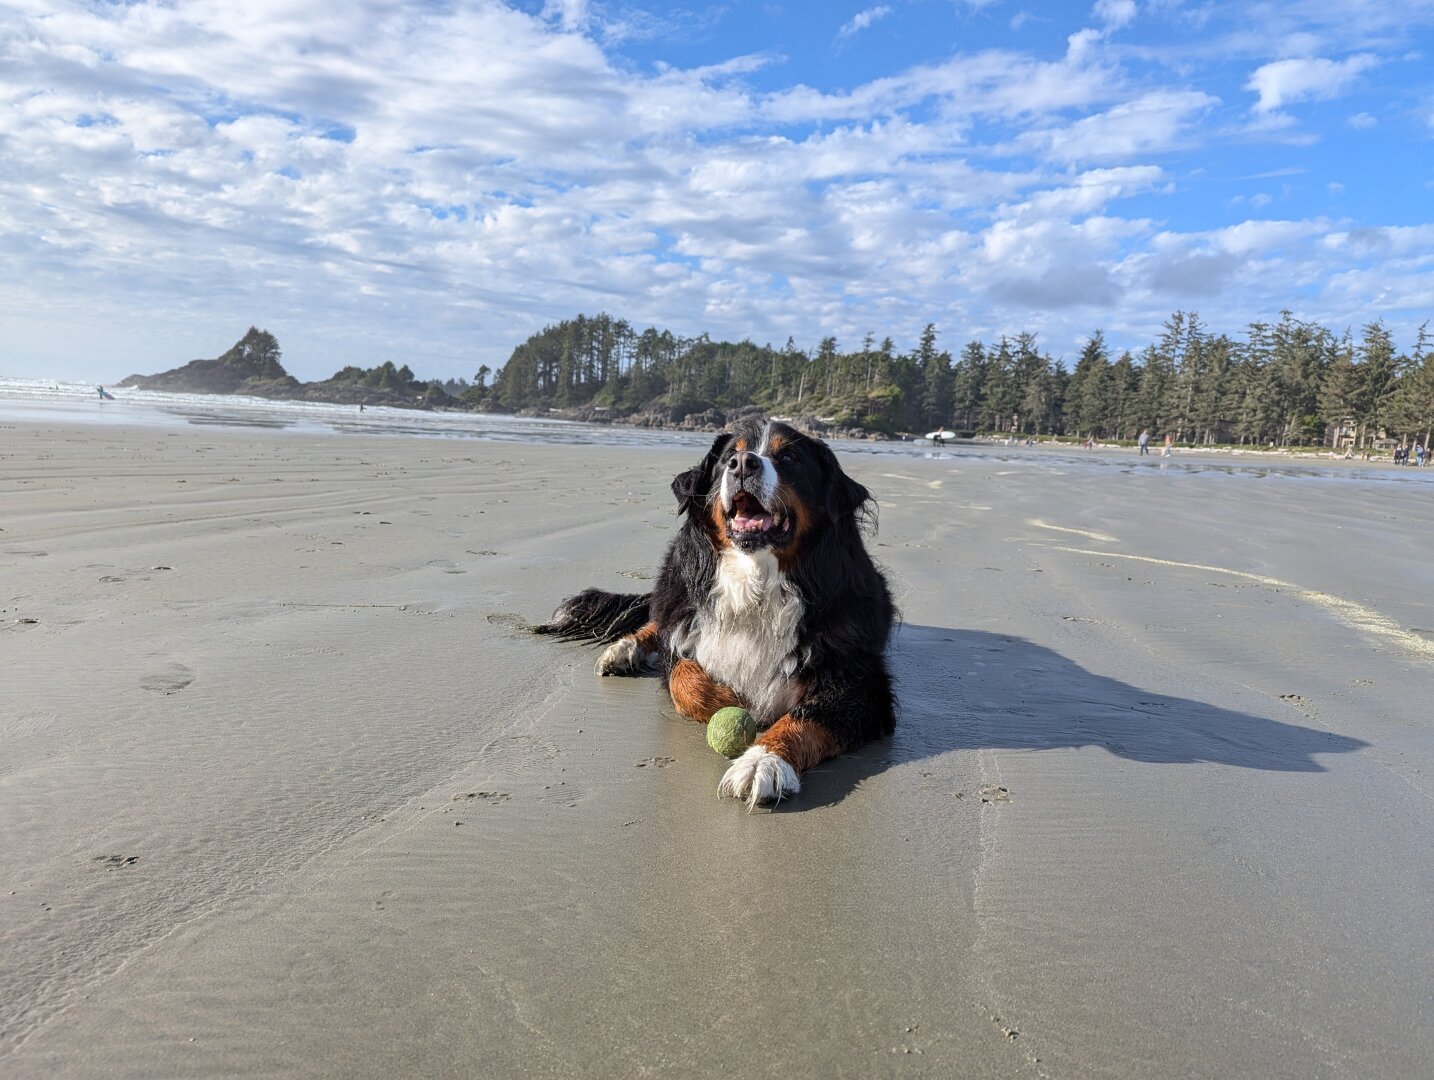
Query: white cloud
x: 1178, y: 278
x: 1286, y: 81
x: 1052, y: 264
x: 1417, y: 240
x: 1150, y: 123
x: 569, y: 14
x: 1362, y: 121
x: 1081, y: 45
x: 993, y: 83
x: 1263, y: 237
x: 1114, y: 13
x: 1085, y: 193
x: 863, y: 19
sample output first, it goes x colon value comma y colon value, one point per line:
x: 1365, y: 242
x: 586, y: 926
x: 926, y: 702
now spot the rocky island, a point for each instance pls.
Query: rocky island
x: 252, y: 366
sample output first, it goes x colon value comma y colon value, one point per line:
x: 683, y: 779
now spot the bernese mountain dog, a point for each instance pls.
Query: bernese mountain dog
x: 767, y: 599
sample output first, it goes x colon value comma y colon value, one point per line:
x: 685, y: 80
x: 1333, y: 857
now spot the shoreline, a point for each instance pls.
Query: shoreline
x: 238, y: 404
x: 224, y: 411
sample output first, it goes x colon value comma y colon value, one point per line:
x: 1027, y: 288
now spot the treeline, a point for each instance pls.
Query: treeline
x: 399, y: 381
x: 1289, y: 382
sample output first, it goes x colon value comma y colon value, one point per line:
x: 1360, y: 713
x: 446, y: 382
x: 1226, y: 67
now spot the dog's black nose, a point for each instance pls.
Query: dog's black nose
x: 744, y: 464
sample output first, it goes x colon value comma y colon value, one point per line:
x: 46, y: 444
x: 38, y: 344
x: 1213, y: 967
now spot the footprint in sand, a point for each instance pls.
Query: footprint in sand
x: 173, y: 679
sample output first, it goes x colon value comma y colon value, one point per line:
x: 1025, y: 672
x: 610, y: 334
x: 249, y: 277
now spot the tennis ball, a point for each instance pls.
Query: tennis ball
x: 730, y: 731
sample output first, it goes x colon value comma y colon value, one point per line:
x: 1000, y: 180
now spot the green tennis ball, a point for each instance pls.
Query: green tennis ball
x: 730, y: 731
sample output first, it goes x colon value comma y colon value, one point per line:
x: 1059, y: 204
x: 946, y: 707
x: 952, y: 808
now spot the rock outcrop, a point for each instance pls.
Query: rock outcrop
x: 252, y: 361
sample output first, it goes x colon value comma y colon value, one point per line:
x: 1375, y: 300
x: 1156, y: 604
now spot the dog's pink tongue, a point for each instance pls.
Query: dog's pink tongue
x: 752, y: 523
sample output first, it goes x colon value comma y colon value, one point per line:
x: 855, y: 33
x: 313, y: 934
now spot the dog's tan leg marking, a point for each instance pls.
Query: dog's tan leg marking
x: 696, y: 694
x: 801, y: 743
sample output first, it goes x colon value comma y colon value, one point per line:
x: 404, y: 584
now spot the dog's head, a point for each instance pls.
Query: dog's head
x: 766, y: 485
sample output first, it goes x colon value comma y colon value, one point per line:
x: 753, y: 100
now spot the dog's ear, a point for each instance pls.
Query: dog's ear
x: 844, y: 496
x: 693, y: 486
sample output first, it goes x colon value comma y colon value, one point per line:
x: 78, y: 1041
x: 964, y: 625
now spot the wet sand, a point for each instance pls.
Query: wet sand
x: 285, y: 789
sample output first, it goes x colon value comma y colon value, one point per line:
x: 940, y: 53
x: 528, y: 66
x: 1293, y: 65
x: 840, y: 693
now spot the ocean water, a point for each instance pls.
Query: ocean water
x: 50, y: 401
x: 40, y: 400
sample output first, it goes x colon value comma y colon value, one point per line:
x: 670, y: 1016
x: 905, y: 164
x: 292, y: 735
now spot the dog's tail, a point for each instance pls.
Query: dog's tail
x: 594, y: 615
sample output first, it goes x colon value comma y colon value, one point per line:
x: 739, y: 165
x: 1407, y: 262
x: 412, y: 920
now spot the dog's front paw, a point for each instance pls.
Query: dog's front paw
x: 759, y: 776
x: 626, y: 657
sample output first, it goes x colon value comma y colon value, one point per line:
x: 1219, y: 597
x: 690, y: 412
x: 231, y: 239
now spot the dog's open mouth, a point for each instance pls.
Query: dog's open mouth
x: 749, y: 519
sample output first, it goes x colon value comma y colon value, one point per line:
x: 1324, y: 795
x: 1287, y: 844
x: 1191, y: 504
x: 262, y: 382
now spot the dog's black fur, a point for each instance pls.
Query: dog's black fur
x: 838, y: 687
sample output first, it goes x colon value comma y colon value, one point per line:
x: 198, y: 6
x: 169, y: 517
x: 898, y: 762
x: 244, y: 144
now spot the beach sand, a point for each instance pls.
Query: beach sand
x: 286, y: 788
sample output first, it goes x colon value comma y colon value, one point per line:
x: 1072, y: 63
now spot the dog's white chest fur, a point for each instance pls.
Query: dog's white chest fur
x: 747, y: 631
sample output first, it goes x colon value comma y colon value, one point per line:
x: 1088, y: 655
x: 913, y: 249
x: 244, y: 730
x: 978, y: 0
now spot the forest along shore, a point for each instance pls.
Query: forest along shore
x: 1285, y: 384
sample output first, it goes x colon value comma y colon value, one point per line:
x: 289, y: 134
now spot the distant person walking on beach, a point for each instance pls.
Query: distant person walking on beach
x: 1169, y: 445
x: 1144, y: 442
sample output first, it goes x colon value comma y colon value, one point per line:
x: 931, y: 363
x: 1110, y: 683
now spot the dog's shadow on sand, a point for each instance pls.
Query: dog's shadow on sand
x: 973, y: 690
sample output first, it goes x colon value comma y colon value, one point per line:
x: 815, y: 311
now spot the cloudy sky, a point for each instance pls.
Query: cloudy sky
x: 431, y: 182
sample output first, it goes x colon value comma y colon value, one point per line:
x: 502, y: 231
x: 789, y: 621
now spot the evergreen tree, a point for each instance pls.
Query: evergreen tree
x: 1002, y: 395
x: 935, y: 368
x: 1030, y: 385
x: 256, y: 355
x: 1180, y: 374
x: 968, y: 386
x: 1121, y: 409
x: 1411, y: 407
x: 1339, y: 391
x: 1157, y: 371
x: 1378, y: 371
x: 1086, y: 391
x: 1213, y: 405
x: 1300, y: 352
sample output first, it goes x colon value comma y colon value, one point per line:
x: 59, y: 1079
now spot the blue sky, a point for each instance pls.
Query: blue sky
x: 430, y: 183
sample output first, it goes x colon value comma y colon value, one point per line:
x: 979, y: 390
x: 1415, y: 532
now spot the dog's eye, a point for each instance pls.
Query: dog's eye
x: 786, y: 457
